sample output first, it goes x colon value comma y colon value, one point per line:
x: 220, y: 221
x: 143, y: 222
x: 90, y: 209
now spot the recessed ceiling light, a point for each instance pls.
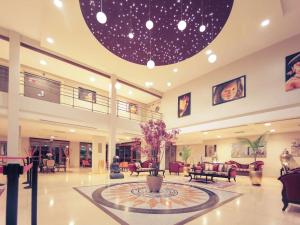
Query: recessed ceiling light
x: 205, y: 133
x: 52, y: 137
x: 272, y: 130
x: 43, y: 62
x: 92, y: 79
x: 267, y: 124
x: 212, y: 58
x: 148, y: 84
x: 219, y: 136
x: 208, y: 52
x: 169, y: 84
x: 50, y: 40
x: 118, y: 86
x: 175, y: 70
x: 58, y: 3
x: 72, y: 130
x: 265, y: 23
x: 130, y: 92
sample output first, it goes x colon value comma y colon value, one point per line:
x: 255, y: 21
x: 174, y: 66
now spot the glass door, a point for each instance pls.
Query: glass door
x: 85, y: 154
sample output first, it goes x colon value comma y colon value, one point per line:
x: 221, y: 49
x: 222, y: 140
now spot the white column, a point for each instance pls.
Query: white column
x: 113, y: 120
x: 13, y: 143
x: 98, y: 156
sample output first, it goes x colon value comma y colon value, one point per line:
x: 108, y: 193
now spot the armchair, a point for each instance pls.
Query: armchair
x: 291, y: 186
x: 176, y: 167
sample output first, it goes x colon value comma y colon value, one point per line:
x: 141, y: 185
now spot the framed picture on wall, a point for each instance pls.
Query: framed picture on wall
x: 292, y: 72
x: 184, y: 105
x: 241, y: 150
x: 210, y: 150
x: 295, y: 148
x: 133, y: 108
x: 229, y: 91
x: 86, y: 95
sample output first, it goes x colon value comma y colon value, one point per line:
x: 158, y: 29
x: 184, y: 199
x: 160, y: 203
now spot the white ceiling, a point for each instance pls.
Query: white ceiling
x: 283, y: 126
x: 241, y: 36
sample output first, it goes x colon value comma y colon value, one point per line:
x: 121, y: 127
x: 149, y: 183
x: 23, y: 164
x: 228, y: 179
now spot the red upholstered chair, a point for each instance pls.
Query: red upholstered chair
x: 291, y: 186
x: 176, y: 167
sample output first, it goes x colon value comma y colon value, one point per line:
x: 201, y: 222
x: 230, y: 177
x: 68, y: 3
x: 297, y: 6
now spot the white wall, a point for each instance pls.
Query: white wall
x: 276, y: 143
x: 265, y: 74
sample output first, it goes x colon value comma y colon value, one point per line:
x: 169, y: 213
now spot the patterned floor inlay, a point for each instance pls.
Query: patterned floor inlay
x: 177, y: 203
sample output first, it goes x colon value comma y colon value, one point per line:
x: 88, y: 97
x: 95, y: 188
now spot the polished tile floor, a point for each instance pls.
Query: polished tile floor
x: 60, y: 204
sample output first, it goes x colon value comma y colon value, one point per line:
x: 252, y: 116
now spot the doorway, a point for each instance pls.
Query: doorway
x: 170, y: 155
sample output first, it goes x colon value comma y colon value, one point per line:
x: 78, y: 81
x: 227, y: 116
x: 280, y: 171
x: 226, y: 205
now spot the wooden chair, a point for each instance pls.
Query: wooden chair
x: 50, y: 165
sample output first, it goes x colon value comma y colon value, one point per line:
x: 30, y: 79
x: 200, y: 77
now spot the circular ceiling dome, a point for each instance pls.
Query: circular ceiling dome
x: 165, y: 44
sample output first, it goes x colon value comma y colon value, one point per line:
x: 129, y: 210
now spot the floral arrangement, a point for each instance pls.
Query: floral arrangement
x: 155, y: 137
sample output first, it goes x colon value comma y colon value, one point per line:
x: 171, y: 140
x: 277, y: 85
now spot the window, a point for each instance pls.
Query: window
x: 3, y: 78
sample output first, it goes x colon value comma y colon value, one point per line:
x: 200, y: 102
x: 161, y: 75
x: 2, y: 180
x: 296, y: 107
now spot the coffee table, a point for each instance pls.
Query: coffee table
x: 200, y: 179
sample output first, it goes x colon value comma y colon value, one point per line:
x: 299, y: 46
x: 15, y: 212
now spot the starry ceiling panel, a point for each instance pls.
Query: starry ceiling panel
x: 125, y: 34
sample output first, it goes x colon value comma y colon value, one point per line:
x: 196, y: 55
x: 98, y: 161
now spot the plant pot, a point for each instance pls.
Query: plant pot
x: 154, y: 183
x: 255, y: 177
x: 186, y: 170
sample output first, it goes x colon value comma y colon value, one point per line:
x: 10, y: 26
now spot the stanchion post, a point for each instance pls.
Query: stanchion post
x: 12, y: 171
x: 34, y: 183
x: 29, y: 176
x: 28, y: 172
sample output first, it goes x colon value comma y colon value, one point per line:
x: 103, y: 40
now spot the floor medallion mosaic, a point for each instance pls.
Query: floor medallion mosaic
x: 177, y: 203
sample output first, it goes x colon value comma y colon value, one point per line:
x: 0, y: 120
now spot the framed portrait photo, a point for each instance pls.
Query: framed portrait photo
x: 86, y: 95
x: 292, y: 72
x: 229, y: 91
x: 184, y: 105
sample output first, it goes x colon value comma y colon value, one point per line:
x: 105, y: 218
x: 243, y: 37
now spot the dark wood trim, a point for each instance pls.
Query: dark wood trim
x: 4, y: 38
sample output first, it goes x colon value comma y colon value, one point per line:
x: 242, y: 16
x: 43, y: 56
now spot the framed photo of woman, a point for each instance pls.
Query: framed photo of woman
x: 184, y: 105
x: 292, y: 72
x: 229, y: 91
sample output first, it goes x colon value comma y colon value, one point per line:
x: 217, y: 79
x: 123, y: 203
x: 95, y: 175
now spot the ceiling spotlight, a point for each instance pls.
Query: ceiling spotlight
x: 205, y: 133
x: 150, y: 64
x: 181, y: 25
x: 212, y: 58
x: 148, y: 84
x: 169, y: 84
x: 58, y: 3
x: 218, y: 136
x: 272, y: 130
x: 92, y: 79
x: 130, y: 92
x: 175, y: 70
x: 267, y: 124
x: 43, y: 62
x: 130, y: 35
x: 118, y: 86
x: 202, y: 28
x: 101, y: 17
x: 72, y: 130
x: 50, y: 40
x: 208, y: 52
x: 265, y: 23
x: 149, y: 24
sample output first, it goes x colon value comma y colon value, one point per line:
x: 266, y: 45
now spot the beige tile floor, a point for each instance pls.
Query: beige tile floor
x: 59, y: 204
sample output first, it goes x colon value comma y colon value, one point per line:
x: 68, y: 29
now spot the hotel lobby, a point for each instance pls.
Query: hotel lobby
x: 149, y: 112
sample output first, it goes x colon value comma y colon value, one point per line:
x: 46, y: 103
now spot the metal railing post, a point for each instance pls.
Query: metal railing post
x: 34, y: 191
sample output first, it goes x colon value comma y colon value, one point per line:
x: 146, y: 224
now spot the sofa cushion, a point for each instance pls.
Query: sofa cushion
x: 221, y: 167
x: 215, y: 167
x: 208, y: 167
x: 138, y: 165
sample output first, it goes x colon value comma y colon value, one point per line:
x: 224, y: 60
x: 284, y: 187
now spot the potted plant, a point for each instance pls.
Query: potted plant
x: 155, y: 136
x: 255, y: 173
x: 185, y: 155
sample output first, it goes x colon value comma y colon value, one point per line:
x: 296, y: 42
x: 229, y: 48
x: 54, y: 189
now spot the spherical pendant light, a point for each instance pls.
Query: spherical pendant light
x: 149, y: 24
x: 202, y: 28
x: 181, y: 25
x: 150, y: 64
x: 101, y: 17
x: 130, y: 35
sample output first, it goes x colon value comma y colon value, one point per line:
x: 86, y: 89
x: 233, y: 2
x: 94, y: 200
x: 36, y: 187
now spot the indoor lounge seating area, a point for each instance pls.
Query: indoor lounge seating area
x: 149, y: 112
